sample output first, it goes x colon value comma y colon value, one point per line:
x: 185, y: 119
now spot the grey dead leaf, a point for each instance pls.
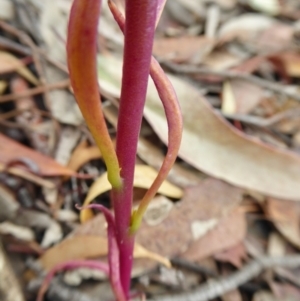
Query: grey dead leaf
x: 271, y: 7
x: 53, y: 24
x: 6, y: 10
x: 75, y: 277
x: 8, y: 204
x: 183, y: 49
x: 18, y: 232
x: 210, y: 144
x: 52, y: 235
x: 69, y: 137
x: 245, y: 25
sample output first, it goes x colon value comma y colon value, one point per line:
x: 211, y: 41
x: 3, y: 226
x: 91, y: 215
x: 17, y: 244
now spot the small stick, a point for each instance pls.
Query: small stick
x: 216, y: 288
x: 272, y: 86
x: 38, y: 90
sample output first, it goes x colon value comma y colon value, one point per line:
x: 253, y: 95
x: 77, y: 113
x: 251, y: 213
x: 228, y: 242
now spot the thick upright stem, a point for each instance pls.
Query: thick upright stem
x: 139, y: 34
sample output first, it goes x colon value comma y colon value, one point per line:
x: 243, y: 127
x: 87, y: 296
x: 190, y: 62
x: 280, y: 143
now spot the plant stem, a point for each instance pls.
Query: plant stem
x: 139, y: 35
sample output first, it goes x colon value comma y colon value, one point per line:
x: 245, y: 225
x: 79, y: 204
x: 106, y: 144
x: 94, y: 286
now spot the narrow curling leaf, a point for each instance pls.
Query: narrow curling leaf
x: 113, y: 251
x: 174, y: 119
x: 81, y: 56
x: 160, y: 7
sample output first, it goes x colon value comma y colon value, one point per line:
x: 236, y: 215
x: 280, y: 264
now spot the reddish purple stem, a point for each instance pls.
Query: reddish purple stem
x: 113, y: 251
x: 139, y: 35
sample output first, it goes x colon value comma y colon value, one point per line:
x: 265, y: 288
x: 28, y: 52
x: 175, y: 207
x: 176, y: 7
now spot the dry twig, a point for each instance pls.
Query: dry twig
x: 218, y: 287
x: 272, y: 86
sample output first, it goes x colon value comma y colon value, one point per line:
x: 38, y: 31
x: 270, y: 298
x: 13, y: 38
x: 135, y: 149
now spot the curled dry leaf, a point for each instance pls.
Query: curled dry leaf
x: 210, y: 144
x: 143, y: 178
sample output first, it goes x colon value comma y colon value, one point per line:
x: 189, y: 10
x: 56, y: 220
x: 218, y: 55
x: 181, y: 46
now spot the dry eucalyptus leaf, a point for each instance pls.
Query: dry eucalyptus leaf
x: 230, y: 231
x: 210, y: 144
x: 192, y: 219
x: 89, y: 246
x: 143, y: 178
x: 78, y: 247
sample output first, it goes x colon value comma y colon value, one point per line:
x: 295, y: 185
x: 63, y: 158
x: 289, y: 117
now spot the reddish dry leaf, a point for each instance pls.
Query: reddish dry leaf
x: 234, y: 255
x: 183, y: 49
x: 12, y: 152
x: 230, y: 231
x: 213, y: 197
x: 290, y: 61
x: 189, y: 220
x: 286, y: 217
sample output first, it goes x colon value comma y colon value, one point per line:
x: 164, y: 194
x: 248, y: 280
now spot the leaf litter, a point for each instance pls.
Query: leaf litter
x: 232, y: 194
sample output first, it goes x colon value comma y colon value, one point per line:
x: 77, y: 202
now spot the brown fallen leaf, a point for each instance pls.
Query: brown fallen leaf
x: 230, y: 231
x: 192, y: 219
x: 14, y: 152
x: 286, y: 217
x: 143, y: 178
x: 290, y: 61
x: 210, y: 144
x: 88, y: 246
